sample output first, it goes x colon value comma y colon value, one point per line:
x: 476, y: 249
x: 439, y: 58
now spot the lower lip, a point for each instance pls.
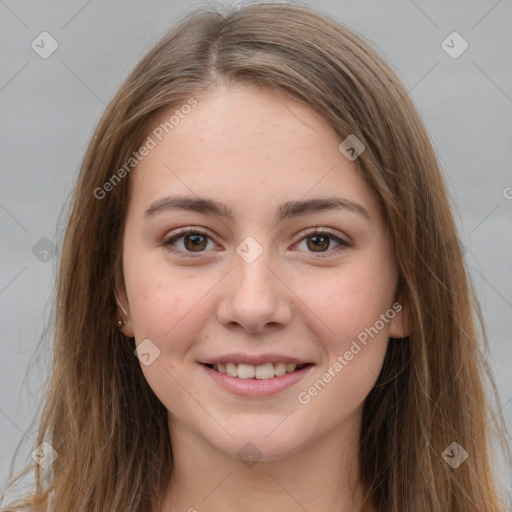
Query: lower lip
x: 256, y: 387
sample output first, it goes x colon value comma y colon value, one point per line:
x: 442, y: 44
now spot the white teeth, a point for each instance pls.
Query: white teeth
x: 279, y: 369
x: 264, y: 371
x: 246, y: 371
x: 231, y: 369
x: 250, y: 371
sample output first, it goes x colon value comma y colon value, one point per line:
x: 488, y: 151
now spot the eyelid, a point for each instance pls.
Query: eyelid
x: 181, y: 232
x: 319, y: 231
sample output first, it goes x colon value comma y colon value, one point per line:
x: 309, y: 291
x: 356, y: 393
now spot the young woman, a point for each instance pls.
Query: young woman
x: 262, y: 303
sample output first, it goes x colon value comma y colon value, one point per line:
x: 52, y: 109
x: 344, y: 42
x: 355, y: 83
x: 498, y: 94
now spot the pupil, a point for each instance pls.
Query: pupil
x: 196, y: 242
x: 324, y: 246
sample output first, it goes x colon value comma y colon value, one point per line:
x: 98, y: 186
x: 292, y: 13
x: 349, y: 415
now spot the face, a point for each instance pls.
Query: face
x: 258, y: 274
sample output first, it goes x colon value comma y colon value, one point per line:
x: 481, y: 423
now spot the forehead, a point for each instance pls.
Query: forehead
x: 245, y: 144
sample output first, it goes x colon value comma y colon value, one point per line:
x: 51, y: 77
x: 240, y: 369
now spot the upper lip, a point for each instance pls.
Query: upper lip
x: 255, y: 360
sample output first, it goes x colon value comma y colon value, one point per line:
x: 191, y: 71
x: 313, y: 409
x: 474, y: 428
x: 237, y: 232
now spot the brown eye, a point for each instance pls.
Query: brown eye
x: 319, y: 243
x: 192, y: 241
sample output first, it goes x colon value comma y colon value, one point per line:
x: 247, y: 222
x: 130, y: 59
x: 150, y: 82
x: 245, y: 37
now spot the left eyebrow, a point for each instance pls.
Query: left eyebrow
x: 285, y: 211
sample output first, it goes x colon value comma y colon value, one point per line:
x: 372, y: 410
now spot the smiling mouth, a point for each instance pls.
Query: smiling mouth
x: 262, y: 372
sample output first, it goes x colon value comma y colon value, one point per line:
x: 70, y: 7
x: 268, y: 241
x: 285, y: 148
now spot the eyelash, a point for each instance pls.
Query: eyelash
x: 167, y: 242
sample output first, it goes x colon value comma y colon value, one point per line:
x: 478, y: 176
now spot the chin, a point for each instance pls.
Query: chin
x: 262, y: 442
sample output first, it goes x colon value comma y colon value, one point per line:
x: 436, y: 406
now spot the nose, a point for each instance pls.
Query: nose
x: 254, y: 296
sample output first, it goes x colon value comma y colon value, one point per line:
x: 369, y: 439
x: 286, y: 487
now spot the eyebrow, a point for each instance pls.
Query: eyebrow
x: 285, y: 211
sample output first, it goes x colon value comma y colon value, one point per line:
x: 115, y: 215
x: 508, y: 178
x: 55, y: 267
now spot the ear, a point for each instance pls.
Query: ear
x: 400, y: 325
x: 123, y: 309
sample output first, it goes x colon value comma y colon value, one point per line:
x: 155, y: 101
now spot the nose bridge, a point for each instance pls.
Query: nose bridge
x: 251, y: 274
x: 253, y: 297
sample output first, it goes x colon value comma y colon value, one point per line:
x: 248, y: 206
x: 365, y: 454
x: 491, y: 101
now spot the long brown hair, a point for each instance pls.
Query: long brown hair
x: 100, y: 415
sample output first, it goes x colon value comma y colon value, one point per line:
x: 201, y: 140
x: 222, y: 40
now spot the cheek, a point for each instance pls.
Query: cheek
x: 354, y: 346
x: 347, y: 301
x: 166, y: 306
x: 171, y: 312
x: 347, y: 308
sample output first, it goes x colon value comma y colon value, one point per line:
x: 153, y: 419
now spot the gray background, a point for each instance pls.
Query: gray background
x: 50, y: 106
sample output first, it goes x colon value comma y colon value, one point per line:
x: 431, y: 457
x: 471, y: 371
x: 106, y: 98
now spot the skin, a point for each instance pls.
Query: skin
x: 262, y: 150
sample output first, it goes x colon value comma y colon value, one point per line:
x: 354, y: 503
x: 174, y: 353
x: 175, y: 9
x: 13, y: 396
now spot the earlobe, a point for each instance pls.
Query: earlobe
x: 400, y: 325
